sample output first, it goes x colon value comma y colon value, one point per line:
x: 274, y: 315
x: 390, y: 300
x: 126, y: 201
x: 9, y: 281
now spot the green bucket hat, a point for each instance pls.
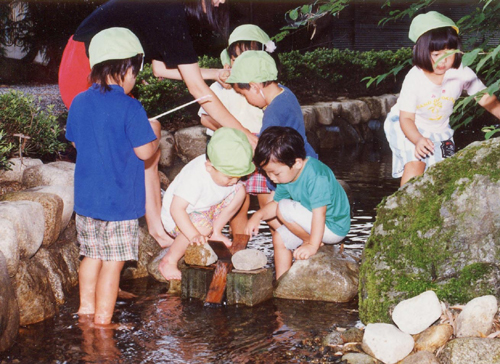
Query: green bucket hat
x: 248, y: 32
x: 424, y: 22
x: 253, y: 66
x: 113, y: 43
x: 230, y: 152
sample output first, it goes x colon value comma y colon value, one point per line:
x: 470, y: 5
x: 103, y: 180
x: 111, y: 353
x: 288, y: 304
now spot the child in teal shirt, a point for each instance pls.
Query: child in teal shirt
x: 309, y: 202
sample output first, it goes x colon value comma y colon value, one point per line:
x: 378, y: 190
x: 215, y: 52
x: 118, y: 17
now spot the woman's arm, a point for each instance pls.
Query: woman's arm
x: 423, y: 146
x: 197, y: 88
x: 491, y: 104
x: 161, y: 70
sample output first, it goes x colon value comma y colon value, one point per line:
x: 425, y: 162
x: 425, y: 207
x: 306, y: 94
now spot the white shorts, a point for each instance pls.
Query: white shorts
x: 403, y: 151
x: 294, y: 212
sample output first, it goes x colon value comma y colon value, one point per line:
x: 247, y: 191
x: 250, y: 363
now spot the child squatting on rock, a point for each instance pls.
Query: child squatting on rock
x: 243, y: 38
x: 309, y: 202
x: 418, y: 126
x: 205, y: 195
x: 113, y: 137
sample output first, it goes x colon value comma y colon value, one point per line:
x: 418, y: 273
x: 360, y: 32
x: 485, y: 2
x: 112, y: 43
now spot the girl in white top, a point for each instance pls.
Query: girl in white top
x: 418, y: 126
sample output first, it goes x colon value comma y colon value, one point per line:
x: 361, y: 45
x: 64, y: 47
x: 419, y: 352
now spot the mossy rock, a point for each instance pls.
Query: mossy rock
x: 440, y: 232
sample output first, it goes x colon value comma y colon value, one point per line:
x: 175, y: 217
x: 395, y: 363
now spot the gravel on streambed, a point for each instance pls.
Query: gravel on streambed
x: 44, y: 95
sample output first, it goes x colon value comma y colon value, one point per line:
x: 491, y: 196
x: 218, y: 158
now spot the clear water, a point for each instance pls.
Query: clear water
x: 159, y: 328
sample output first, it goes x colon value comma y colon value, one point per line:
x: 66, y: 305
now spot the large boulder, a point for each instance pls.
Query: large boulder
x: 9, y: 310
x: 9, y: 247
x: 148, y: 248
x: 439, y: 232
x: 52, y: 211
x: 17, y: 168
x: 469, y: 350
x: 50, y: 174
x: 167, y: 148
x: 66, y: 193
x: 191, y: 142
x: 329, y: 275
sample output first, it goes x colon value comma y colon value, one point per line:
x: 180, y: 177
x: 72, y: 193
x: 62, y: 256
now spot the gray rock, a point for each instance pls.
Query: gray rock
x: 52, y: 211
x: 350, y: 111
x: 422, y: 357
x: 167, y: 149
x: 310, y: 117
x: 153, y: 266
x: 387, y: 343
x: 34, y: 293
x: 9, y: 309
x: 333, y: 338
x: 359, y: 358
x: 375, y: 106
x: 9, y: 246
x: 249, y: 259
x: 440, y: 231
x: 471, y: 350
x: 327, y: 276
x: 148, y: 248
x: 55, y: 173
x: 433, y: 338
x: 476, y: 319
x: 191, y: 142
x: 365, y: 113
x: 66, y: 193
x: 324, y: 113
x: 17, y: 168
x: 352, y: 335
x: 416, y: 314
x: 27, y: 218
x: 202, y: 255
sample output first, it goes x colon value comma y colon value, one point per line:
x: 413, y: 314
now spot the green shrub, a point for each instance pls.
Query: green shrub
x: 19, y: 114
x: 5, y: 150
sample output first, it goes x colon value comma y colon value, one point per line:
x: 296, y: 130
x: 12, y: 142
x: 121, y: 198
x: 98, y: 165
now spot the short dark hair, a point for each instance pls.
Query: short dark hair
x: 242, y: 46
x: 280, y: 144
x: 116, y: 69
x: 436, y: 40
x: 246, y: 86
x: 217, y: 18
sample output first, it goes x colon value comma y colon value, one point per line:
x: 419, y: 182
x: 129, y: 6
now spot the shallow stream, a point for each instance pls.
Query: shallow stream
x: 159, y: 328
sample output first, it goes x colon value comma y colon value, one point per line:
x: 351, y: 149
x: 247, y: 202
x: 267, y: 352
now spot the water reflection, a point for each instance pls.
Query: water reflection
x: 165, y: 329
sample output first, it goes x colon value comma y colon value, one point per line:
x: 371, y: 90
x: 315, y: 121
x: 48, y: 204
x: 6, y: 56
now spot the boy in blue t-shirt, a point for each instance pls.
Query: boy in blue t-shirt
x: 309, y: 202
x: 254, y: 75
x: 113, y: 137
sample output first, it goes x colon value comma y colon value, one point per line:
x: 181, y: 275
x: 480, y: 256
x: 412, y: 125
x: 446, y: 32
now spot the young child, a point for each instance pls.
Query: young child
x: 205, y: 195
x: 112, y: 136
x: 243, y: 38
x: 308, y: 201
x: 254, y: 75
x: 417, y: 127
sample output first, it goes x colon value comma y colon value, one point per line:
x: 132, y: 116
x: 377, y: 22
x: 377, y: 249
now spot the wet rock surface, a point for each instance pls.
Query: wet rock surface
x: 9, y: 309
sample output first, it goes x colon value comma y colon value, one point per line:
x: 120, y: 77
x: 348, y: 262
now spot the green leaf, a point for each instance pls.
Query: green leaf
x: 294, y: 14
x: 470, y: 57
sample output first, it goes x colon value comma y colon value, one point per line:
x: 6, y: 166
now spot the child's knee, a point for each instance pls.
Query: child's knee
x: 285, y: 210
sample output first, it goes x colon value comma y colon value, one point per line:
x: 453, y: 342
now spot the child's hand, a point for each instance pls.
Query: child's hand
x: 305, y: 251
x: 253, y: 226
x: 198, y: 239
x: 423, y: 148
x: 222, y: 76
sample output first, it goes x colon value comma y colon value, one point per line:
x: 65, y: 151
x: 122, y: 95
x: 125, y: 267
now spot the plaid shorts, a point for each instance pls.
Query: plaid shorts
x: 206, y: 218
x: 108, y: 240
x: 256, y: 183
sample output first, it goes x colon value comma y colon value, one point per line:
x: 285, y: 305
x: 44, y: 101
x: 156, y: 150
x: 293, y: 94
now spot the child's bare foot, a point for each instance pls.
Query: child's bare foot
x: 223, y: 238
x: 169, y: 271
x: 162, y: 238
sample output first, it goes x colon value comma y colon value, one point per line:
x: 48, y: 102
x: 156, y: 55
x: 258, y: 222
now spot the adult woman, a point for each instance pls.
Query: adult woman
x: 162, y: 27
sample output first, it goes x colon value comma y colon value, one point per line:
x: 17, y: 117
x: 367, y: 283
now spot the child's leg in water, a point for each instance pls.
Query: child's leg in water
x: 107, y: 291
x: 227, y: 212
x: 239, y: 221
x: 168, y: 265
x: 87, y: 279
x: 282, y: 256
x: 412, y: 169
x: 153, y: 202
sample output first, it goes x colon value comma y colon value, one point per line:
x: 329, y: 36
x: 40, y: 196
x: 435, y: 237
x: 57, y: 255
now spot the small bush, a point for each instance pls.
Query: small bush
x: 5, y: 150
x: 20, y: 115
